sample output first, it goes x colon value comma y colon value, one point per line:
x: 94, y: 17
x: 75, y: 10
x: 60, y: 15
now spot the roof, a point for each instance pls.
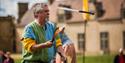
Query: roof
x: 27, y: 18
x: 112, y: 8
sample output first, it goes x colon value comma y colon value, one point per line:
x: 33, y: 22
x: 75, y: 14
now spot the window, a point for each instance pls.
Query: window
x: 64, y: 13
x: 51, y: 1
x: 81, y: 41
x: 60, y: 16
x: 123, y: 9
x: 124, y: 39
x: 104, y: 45
x: 99, y: 8
x: 92, y: 1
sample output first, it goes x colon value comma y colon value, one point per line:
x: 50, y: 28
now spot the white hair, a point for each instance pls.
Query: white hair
x: 120, y: 50
x: 38, y: 7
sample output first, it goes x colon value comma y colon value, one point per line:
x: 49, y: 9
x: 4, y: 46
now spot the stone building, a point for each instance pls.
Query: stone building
x: 104, y: 32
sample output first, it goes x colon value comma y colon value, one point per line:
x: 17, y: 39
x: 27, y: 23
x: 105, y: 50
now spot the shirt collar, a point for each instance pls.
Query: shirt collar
x: 44, y: 26
x: 37, y: 22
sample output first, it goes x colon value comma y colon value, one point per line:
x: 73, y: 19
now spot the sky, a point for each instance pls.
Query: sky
x: 9, y: 7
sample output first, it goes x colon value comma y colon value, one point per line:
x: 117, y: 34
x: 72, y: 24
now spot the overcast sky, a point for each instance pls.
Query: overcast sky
x: 9, y: 7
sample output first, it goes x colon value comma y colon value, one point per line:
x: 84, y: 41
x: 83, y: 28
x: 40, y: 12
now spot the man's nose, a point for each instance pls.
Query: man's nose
x: 48, y: 13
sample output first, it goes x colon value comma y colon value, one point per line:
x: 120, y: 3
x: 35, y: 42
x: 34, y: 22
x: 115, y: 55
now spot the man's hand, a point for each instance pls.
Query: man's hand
x: 42, y: 45
x: 68, y: 49
x: 48, y: 44
x: 61, y: 53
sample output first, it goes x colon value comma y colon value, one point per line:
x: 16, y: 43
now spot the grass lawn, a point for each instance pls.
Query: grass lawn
x: 99, y: 59
x: 17, y: 60
x: 88, y: 59
x: 80, y: 59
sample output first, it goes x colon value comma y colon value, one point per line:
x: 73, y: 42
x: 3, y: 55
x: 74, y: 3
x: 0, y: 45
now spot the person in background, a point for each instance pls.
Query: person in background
x: 120, y: 58
x: 2, y: 56
x: 37, y: 36
x: 8, y: 59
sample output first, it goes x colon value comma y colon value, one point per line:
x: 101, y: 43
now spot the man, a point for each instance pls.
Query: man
x: 37, y: 36
x: 120, y: 58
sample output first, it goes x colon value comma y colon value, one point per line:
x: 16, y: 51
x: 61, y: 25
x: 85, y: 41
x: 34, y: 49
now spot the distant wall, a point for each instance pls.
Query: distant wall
x: 7, y: 34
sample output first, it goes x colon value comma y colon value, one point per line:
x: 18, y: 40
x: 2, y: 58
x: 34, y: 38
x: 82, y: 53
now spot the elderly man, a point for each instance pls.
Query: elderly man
x: 37, y: 36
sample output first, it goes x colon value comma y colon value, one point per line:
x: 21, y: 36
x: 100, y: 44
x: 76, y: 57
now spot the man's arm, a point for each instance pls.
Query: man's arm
x: 42, y: 45
x: 30, y: 45
x: 68, y: 46
x: 29, y: 42
x: 60, y: 49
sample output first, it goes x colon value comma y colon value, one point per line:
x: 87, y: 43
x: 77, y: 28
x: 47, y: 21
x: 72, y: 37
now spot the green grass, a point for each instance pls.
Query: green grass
x: 17, y: 60
x: 89, y: 59
x: 80, y: 59
x: 99, y: 59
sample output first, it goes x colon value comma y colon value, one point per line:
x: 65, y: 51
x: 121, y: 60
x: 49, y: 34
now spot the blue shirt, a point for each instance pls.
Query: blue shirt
x: 49, y: 28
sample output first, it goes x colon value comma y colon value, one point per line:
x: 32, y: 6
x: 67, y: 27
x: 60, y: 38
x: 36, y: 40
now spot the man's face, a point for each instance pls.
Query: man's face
x: 42, y: 15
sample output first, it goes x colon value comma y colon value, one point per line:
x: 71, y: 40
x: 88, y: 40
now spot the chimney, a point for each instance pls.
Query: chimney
x: 22, y: 8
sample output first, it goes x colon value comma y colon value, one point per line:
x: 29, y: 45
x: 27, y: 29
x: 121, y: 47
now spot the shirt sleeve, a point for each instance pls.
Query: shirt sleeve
x: 28, y: 38
x: 58, y: 41
x: 57, y: 38
x: 28, y: 43
x: 65, y: 39
x: 28, y: 33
